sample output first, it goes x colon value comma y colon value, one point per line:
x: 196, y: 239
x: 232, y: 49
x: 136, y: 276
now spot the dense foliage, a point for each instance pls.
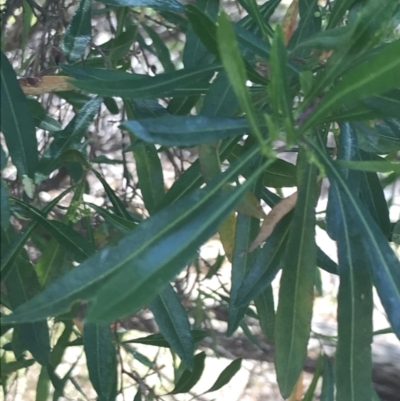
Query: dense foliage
x: 323, y: 85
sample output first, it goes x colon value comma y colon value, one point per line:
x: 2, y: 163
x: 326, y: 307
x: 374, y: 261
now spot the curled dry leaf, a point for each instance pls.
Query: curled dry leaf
x: 46, y: 84
x: 280, y: 210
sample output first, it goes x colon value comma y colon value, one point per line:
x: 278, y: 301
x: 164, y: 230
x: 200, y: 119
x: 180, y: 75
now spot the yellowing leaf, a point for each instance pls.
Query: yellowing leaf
x: 290, y: 20
x: 227, y: 235
x: 40, y: 85
x: 250, y: 206
x: 280, y: 210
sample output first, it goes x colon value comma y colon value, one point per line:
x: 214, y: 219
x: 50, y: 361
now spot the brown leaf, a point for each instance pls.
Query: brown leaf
x: 273, y: 218
x: 46, y: 84
x: 289, y: 21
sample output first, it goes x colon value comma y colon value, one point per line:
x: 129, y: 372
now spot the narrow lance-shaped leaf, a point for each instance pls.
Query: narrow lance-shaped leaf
x: 266, y: 265
x: 101, y: 360
x: 328, y: 381
x: 375, y: 75
x: 338, y: 11
x: 234, y: 67
x: 69, y: 137
x: 158, y: 339
x: 78, y: 33
x: 164, y: 244
x: 172, y: 320
x: 73, y: 242
x: 226, y: 375
x: 384, y: 266
x: 13, y: 249
x: 161, y: 49
x: 293, y: 318
x: 369, y: 20
x: 165, y: 5
x: 185, y: 130
x: 16, y: 123
x: 353, y: 358
x: 22, y: 285
x: 189, y: 378
x: 278, y: 87
x: 206, y: 30
x: 148, y: 87
x: 309, y: 24
x: 265, y: 306
x: 4, y: 205
x: 246, y: 230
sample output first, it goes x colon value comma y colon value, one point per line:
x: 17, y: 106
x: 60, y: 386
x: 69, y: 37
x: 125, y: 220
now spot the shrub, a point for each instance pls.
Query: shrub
x: 325, y: 88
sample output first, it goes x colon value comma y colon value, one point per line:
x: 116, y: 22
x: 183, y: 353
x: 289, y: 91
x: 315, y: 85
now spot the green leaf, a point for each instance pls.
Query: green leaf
x: 266, y: 265
x: 293, y: 318
x: 159, y: 5
x: 69, y: 137
x: 10, y: 254
x: 70, y: 239
x: 43, y: 385
x: 328, y: 381
x: 161, y: 49
x: 381, y: 139
x: 396, y: 233
x: 122, y: 43
x: 118, y: 222
x: 41, y: 118
x: 195, y: 53
x: 185, y: 130
x: 158, y: 339
x: 254, y: 11
x: 138, y: 395
x: 10, y: 367
x: 353, y: 357
x: 234, y: 67
x: 280, y: 174
x: 4, y: 206
x: 310, y: 394
x: 192, y: 178
x: 149, y: 170
x: 384, y: 266
x: 119, y: 208
x: 359, y: 83
x: 226, y: 375
x: 387, y: 104
x: 49, y: 265
x: 372, y: 194
x: 355, y: 304
x: 246, y: 231
x: 371, y: 166
x: 190, y: 378
x: 152, y: 254
x: 265, y: 306
x: 309, y: 24
x: 145, y: 87
x: 364, y: 27
x: 278, y: 87
x: 78, y: 33
x: 172, y: 320
x: 16, y: 123
x: 338, y: 11
x: 101, y: 360
x: 22, y: 285
x: 148, y: 164
x: 206, y: 30
x: 266, y: 10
